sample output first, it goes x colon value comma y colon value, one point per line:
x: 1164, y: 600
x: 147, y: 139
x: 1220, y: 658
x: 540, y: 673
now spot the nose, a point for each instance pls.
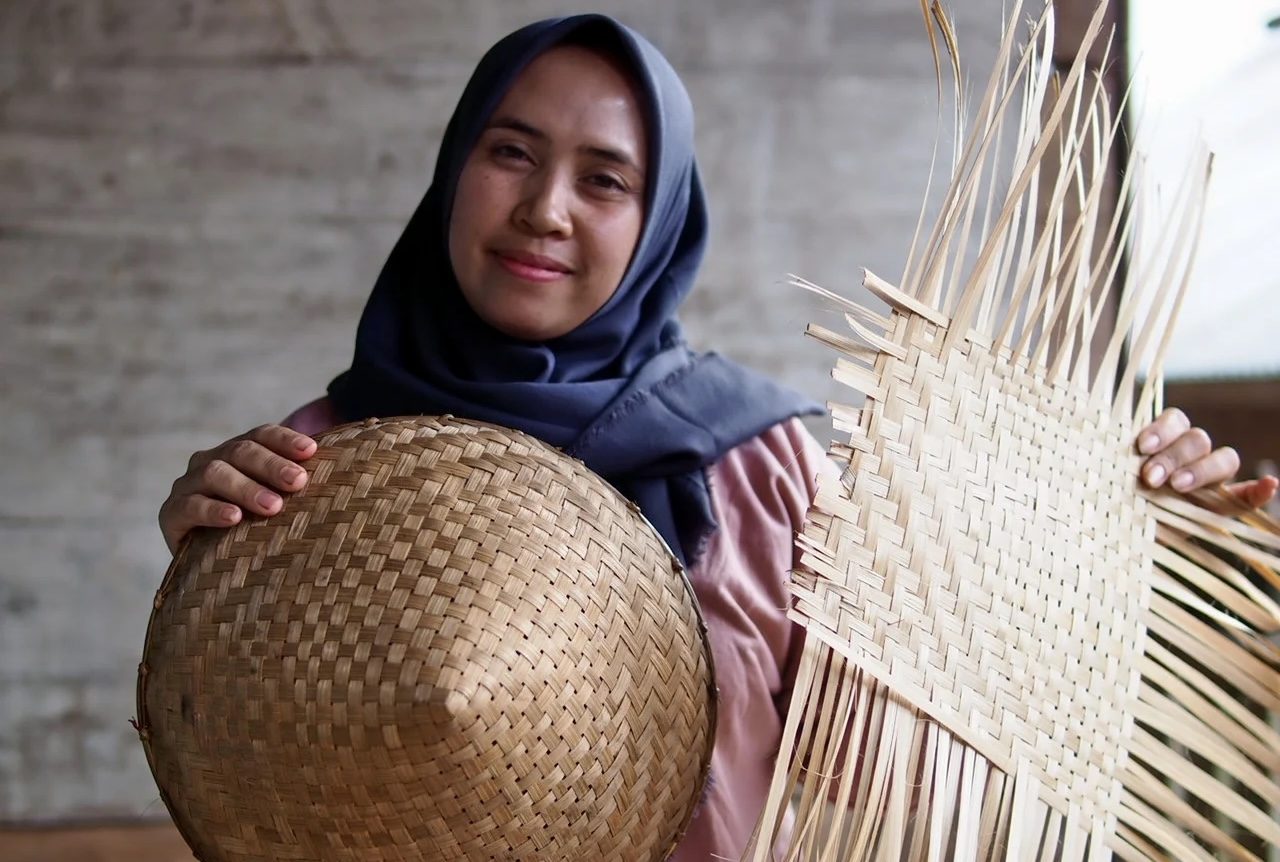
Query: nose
x: 544, y: 208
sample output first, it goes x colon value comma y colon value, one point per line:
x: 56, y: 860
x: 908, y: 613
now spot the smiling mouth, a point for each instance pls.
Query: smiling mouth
x: 532, y: 268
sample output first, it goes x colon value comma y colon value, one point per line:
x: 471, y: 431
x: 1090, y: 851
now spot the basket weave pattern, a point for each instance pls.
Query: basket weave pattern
x: 999, y: 556
x: 454, y: 643
x: 1018, y: 651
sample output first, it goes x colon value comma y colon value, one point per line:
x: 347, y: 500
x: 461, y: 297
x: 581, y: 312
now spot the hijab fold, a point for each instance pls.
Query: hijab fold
x: 622, y: 392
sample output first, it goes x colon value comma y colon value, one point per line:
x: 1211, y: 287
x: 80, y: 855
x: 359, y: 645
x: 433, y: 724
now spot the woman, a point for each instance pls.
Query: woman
x: 536, y: 286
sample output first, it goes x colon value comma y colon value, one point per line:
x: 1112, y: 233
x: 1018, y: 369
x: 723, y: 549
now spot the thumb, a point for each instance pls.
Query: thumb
x: 1255, y: 493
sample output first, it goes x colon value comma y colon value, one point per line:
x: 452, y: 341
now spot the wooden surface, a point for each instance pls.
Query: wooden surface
x: 149, y: 843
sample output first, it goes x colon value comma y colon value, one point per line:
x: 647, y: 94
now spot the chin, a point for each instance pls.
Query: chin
x: 522, y: 328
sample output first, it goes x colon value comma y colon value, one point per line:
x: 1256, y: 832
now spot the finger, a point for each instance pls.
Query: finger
x: 1212, y: 469
x: 258, y: 462
x: 1178, y: 454
x: 284, y: 441
x: 181, y: 515
x: 1255, y: 493
x: 1168, y: 427
x: 224, y: 481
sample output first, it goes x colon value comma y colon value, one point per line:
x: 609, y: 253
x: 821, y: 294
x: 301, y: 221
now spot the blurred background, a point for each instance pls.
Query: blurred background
x: 197, y: 195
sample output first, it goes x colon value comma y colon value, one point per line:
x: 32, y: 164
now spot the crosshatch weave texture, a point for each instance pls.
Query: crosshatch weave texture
x: 999, y: 556
x: 455, y: 643
x: 1016, y: 650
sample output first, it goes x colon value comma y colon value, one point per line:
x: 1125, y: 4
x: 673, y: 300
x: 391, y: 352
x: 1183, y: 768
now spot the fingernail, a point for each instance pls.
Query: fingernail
x: 302, y: 444
x: 1149, y: 442
x: 1155, y: 475
x: 230, y: 514
x: 291, y: 475
x: 1181, y: 480
x: 268, y: 500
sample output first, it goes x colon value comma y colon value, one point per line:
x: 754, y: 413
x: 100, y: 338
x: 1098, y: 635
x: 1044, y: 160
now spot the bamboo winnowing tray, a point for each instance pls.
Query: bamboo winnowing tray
x: 1016, y: 650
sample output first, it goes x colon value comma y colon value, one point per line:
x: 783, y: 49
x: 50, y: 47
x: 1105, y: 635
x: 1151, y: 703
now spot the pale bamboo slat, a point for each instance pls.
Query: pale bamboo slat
x: 1014, y: 649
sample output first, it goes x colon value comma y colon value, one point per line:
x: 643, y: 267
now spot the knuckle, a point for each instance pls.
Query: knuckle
x: 241, y: 449
x: 191, y: 508
x: 1199, y: 439
x: 175, y: 514
x: 214, y: 471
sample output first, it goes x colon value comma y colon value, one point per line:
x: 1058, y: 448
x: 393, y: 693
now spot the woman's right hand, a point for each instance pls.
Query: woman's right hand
x: 246, y: 473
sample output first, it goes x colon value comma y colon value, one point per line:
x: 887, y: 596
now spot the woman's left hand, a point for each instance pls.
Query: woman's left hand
x: 1184, y: 457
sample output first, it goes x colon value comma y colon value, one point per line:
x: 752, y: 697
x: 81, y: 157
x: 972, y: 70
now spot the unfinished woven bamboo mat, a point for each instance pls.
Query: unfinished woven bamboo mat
x: 455, y: 643
x: 1015, y: 650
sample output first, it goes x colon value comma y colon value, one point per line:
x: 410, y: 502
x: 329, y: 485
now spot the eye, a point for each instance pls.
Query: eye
x: 510, y: 153
x: 609, y: 183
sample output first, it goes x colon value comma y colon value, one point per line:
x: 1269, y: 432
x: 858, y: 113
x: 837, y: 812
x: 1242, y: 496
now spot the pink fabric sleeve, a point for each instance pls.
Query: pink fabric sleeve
x: 761, y: 492
x: 313, y: 417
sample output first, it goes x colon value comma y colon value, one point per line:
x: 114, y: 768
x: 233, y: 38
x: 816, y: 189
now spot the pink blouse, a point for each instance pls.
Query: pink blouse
x: 761, y: 491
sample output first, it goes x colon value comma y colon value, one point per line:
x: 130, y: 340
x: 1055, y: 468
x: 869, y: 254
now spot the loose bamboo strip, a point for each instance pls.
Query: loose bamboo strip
x: 778, y: 789
x: 974, y: 149
x: 962, y: 313
x: 863, y: 314
x: 907, y: 274
x: 1111, y: 258
x: 1218, y: 653
x: 1216, y: 566
x: 1249, y: 553
x: 1177, y: 271
x: 832, y: 716
x: 1045, y: 291
x: 1150, y: 822
x: 901, y: 301
x: 1074, y: 299
x: 935, y: 753
x: 1267, y: 536
x: 842, y: 343
x: 1100, y: 155
x: 840, y: 694
x: 1158, y: 796
x: 1171, y: 589
x: 1161, y: 665
x: 983, y: 320
x: 1141, y: 283
x: 1166, y: 717
x: 1242, y: 599
x: 1204, y: 785
x: 1134, y: 847
x: 987, y: 565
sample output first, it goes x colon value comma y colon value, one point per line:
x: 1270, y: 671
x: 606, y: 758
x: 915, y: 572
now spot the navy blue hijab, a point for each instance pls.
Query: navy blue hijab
x: 622, y: 392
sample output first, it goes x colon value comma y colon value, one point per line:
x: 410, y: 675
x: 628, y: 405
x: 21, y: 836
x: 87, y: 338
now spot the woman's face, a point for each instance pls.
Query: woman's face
x: 550, y: 202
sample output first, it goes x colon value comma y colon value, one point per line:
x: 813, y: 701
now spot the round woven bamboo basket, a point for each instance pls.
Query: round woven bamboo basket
x: 455, y: 643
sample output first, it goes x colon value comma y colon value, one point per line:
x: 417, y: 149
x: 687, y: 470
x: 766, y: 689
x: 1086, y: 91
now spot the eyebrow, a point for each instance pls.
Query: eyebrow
x: 607, y: 153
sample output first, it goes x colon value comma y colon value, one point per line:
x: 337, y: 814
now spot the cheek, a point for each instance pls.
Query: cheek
x: 462, y: 218
x: 476, y: 206
x: 616, y: 242
x: 612, y: 245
